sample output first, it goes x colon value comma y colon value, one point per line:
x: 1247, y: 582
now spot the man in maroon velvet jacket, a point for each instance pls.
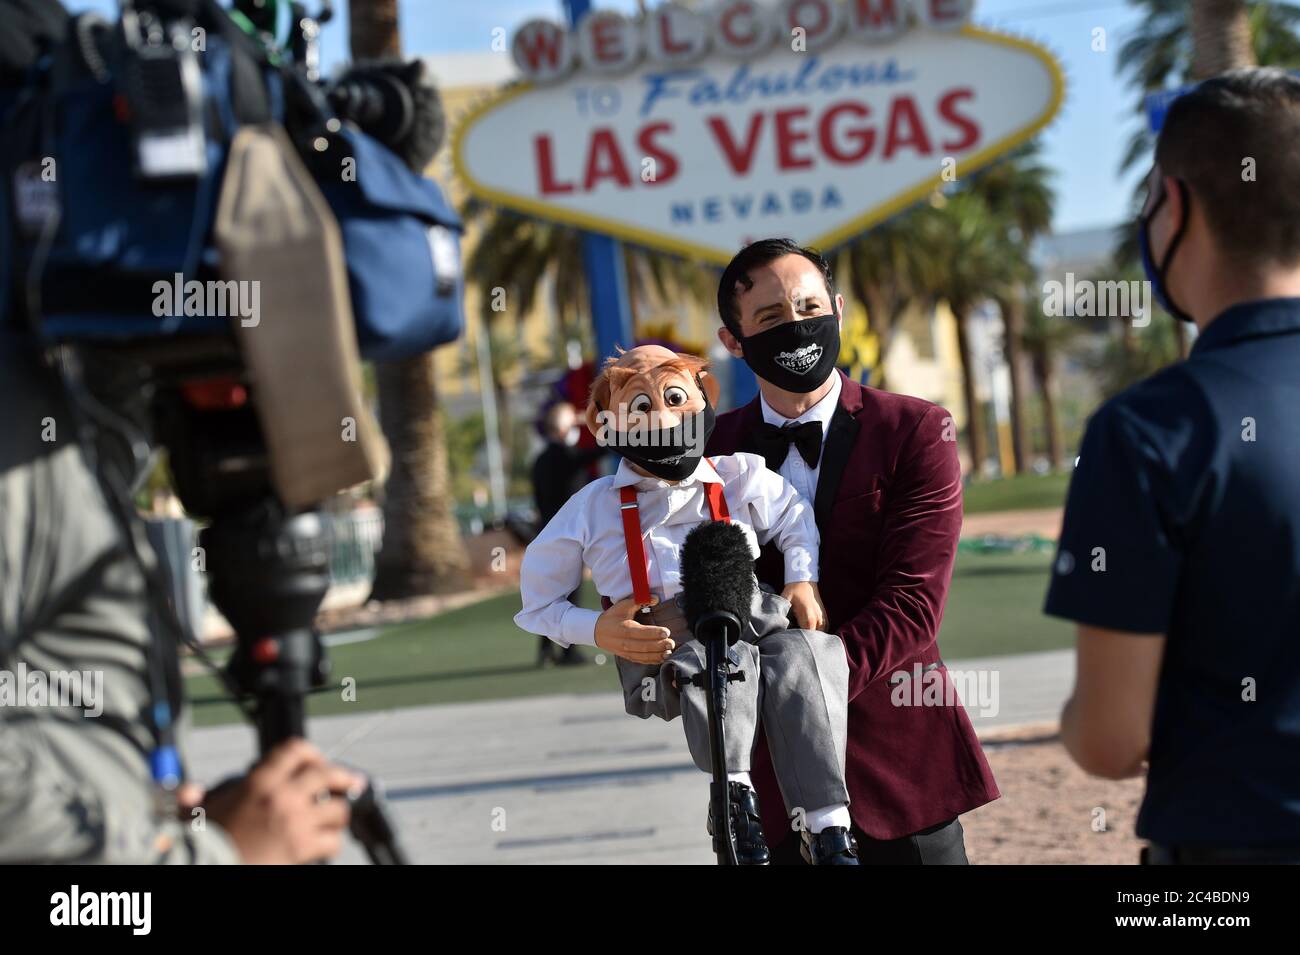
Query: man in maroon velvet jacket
x: 882, y: 472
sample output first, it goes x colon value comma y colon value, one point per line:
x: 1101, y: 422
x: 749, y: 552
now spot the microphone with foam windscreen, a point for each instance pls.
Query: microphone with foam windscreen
x: 717, y: 596
x: 717, y: 579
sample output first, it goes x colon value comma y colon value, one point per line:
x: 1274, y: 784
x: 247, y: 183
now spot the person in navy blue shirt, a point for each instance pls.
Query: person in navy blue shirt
x: 1179, y: 557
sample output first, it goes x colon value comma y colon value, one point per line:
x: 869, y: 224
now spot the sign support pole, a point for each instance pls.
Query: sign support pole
x: 602, y: 259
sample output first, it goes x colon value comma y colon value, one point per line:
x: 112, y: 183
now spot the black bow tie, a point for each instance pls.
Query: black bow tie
x: 773, y: 443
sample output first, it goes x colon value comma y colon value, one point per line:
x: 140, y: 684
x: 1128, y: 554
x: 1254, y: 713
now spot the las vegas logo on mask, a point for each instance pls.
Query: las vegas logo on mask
x: 801, y: 360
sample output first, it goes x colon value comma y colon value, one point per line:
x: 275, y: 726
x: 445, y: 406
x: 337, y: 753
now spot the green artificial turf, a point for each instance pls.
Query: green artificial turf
x: 477, y: 653
x: 1019, y: 493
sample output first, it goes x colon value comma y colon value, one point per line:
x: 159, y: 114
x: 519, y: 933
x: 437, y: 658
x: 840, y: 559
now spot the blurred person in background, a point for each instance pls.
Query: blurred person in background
x: 559, y: 472
x: 1179, y: 557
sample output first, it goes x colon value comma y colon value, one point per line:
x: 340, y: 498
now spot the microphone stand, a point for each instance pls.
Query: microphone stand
x: 717, y: 630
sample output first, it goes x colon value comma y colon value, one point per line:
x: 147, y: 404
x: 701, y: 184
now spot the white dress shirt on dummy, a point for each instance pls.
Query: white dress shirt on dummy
x: 588, y: 531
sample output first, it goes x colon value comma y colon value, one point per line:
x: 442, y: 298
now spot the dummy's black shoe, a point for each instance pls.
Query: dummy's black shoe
x: 747, y: 827
x: 834, y: 845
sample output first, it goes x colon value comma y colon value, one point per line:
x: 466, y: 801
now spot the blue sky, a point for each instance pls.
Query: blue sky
x: 1083, y: 145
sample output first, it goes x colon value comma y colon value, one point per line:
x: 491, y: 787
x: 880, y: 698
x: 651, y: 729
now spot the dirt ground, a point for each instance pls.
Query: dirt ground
x: 1045, y: 522
x: 1051, y: 812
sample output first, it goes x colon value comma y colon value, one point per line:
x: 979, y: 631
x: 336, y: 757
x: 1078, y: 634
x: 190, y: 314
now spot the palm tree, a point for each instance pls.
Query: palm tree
x: 1018, y: 192
x: 1133, y: 357
x: 1220, y: 37
x: 666, y: 280
x: 509, y: 264
x: 885, y: 268
x: 1043, y: 339
x: 1178, y: 42
x: 972, y: 261
x: 895, y: 265
x: 423, y: 551
x: 521, y: 255
x: 517, y: 254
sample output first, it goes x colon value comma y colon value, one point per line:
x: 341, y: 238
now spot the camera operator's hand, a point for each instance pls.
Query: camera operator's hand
x: 290, y: 809
x: 618, y: 632
x: 806, y: 604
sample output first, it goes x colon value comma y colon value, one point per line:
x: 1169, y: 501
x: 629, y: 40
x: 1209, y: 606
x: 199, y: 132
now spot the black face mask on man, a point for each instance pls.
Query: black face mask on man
x: 795, y: 356
x: 670, y: 454
x: 1158, y: 272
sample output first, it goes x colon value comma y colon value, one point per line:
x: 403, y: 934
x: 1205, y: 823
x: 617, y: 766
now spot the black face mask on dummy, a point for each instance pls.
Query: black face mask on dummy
x: 795, y: 356
x: 670, y: 454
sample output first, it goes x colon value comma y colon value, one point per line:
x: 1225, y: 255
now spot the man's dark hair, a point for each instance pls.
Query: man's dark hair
x: 753, y: 256
x: 1208, y: 136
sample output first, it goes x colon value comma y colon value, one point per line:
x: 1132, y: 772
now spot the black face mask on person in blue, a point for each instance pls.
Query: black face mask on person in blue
x: 795, y: 356
x: 1156, y: 272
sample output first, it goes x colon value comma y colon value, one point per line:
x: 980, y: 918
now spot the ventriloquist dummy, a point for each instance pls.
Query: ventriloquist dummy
x: 655, y: 409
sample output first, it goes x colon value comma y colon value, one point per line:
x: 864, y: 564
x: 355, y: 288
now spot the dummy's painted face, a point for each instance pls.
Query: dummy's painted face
x: 655, y: 408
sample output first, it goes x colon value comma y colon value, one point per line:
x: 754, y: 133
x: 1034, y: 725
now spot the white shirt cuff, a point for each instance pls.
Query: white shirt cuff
x: 578, y: 626
x: 799, y: 566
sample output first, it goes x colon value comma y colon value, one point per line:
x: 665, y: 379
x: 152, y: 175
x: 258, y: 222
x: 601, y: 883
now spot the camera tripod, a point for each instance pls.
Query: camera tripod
x: 268, y: 575
x: 268, y: 572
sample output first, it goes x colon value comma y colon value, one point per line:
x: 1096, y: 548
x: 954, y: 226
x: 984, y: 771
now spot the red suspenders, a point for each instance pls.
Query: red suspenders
x: 717, y: 503
x: 636, y: 562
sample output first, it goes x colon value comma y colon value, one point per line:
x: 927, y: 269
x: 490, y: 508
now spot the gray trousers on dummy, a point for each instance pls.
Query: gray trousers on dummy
x: 796, y: 682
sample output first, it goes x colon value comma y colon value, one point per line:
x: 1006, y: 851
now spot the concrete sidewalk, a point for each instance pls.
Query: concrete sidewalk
x: 556, y: 779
